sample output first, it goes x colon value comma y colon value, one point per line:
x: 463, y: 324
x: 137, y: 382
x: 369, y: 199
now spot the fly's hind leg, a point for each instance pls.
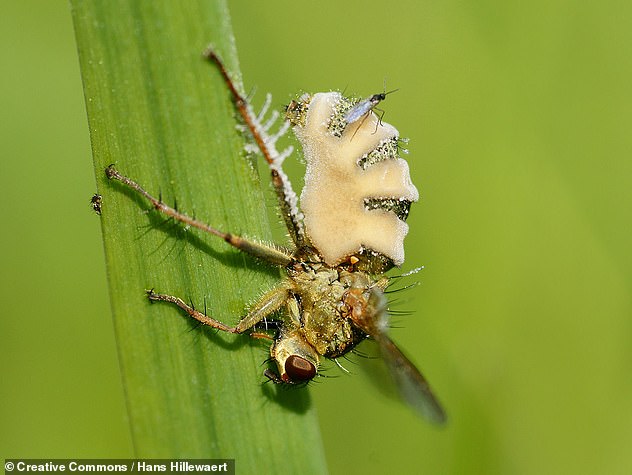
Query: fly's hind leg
x: 269, y: 303
x: 267, y: 145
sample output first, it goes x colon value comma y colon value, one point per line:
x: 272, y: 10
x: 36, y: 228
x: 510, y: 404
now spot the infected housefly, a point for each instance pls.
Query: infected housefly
x: 348, y: 232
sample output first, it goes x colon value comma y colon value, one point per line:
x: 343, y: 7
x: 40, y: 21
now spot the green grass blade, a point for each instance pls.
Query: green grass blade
x: 163, y: 115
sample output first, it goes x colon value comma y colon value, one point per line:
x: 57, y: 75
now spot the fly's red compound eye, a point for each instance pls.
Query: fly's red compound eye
x: 299, y: 369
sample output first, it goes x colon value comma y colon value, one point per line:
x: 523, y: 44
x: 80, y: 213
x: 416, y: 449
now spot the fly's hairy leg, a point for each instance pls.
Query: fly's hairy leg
x: 361, y: 123
x: 268, y: 254
x: 199, y: 316
x: 269, y: 303
x: 282, y: 186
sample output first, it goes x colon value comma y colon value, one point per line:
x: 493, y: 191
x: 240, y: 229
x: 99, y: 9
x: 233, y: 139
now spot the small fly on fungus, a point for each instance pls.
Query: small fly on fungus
x: 362, y: 108
x: 348, y: 232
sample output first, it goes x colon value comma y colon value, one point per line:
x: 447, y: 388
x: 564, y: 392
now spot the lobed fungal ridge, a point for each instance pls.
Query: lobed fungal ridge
x: 357, y: 191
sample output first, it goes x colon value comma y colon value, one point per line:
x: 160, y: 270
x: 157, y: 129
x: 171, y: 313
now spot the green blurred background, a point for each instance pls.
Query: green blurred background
x: 520, y: 123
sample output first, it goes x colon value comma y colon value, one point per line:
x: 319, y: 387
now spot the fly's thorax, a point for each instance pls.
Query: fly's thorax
x: 321, y: 291
x: 357, y: 189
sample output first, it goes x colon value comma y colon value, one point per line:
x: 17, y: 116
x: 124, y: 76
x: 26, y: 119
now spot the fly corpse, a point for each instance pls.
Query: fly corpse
x: 348, y: 232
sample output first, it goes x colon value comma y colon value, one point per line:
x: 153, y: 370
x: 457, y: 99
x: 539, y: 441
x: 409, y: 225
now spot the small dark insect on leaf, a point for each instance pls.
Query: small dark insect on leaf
x: 332, y: 296
x: 96, y: 202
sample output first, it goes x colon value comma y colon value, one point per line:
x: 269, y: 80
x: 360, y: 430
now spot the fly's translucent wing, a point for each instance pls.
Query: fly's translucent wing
x: 359, y: 110
x: 412, y: 385
x: 372, y: 318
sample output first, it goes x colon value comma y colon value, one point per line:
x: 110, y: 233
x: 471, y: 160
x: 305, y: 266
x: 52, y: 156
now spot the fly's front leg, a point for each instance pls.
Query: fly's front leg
x: 272, y: 255
x: 269, y: 303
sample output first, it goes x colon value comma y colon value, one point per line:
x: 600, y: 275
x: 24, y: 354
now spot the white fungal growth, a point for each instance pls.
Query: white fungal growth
x: 275, y: 158
x: 338, y: 220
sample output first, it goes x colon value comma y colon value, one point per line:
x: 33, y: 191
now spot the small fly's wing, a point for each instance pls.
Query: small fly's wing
x: 372, y: 318
x: 357, y: 111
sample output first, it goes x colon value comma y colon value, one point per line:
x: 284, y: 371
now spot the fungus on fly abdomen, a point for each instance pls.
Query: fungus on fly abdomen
x: 338, y: 221
x: 350, y: 230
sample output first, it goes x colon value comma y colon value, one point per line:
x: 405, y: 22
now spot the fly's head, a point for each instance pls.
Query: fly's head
x: 297, y: 361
